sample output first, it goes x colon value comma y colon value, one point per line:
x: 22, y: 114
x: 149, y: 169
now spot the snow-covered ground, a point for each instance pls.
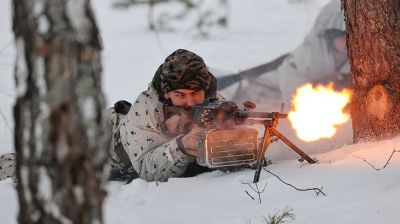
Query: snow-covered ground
x: 355, y: 192
x: 259, y: 30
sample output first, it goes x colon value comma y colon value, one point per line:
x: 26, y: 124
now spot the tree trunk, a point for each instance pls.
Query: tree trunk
x: 59, y: 141
x: 373, y: 40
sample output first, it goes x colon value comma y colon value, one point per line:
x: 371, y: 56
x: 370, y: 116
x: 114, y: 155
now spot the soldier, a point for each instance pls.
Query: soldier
x: 157, y: 142
x: 320, y: 58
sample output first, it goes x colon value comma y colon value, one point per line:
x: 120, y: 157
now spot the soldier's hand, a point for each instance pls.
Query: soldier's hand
x: 172, y: 123
x: 178, y: 123
x: 189, y: 141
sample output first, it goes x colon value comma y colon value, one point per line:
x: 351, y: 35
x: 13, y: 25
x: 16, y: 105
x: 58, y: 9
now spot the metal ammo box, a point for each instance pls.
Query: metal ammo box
x: 227, y: 147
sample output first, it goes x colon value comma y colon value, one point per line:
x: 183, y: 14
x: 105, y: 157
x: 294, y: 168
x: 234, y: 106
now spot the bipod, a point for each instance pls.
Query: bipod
x: 270, y: 131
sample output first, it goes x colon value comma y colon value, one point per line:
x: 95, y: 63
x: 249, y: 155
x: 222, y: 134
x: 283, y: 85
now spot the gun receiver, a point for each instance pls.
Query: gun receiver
x: 228, y: 143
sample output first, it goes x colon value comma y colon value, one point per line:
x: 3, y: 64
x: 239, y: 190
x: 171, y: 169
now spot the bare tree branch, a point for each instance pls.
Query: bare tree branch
x: 249, y: 195
x: 315, y: 189
x: 257, y: 190
x: 377, y: 169
x: 3, y: 116
x: 6, y: 45
x: 387, y: 162
x: 390, y: 157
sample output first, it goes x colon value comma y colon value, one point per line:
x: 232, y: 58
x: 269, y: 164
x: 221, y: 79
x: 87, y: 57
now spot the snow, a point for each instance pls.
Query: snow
x: 355, y: 192
x: 258, y: 32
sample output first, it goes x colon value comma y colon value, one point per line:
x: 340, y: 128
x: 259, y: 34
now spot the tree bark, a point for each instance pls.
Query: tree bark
x: 373, y: 40
x: 59, y: 141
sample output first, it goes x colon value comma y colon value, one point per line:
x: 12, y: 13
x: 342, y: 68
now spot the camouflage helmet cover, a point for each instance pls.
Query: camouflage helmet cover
x: 184, y: 70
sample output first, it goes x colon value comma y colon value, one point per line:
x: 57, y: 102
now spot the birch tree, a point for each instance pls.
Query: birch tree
x: 59, y: 141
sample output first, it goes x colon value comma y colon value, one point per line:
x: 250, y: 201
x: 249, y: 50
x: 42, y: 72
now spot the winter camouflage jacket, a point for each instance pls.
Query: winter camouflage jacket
x: 312, y: 61
x: 7, y: 166
x: 154, y: 154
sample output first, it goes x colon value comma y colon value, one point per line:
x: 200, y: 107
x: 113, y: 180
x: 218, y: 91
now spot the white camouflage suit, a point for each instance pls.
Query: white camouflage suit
x: 154, y: 156
x: 312, y: 61
x: 152, y: 150
x: 7, y: 166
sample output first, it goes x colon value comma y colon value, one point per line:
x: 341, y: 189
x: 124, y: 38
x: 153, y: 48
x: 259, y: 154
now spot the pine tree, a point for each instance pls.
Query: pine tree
x: 374, y: 45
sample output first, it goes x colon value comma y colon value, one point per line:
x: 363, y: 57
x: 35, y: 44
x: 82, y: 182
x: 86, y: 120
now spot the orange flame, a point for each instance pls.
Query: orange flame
x: 318, y: 111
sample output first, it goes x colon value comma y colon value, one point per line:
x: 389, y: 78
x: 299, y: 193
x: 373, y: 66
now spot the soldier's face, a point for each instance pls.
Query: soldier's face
x: 185, y: 97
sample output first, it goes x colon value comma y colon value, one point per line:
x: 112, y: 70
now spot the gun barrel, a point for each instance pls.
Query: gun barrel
x: 255, y: 114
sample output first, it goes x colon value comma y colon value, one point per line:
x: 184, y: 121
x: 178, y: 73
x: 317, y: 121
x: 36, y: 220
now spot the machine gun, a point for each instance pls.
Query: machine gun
x: 229, y: 141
